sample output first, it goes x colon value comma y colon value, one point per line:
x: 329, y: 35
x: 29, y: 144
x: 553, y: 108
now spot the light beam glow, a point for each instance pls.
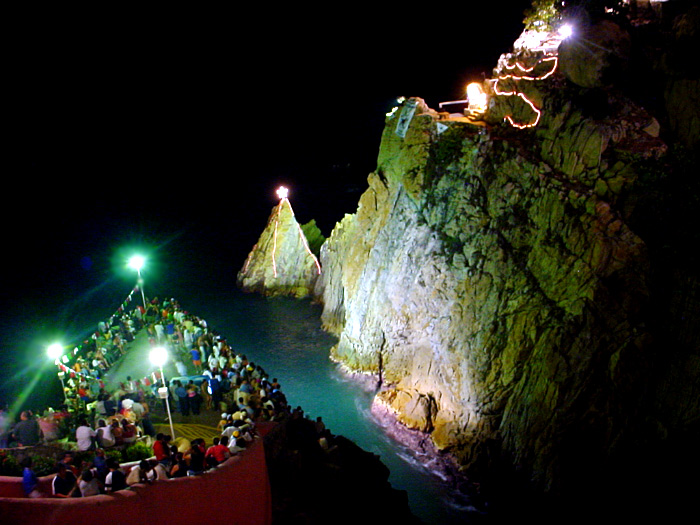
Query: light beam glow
x: 137, y: 262
x: 282, y: 192
x: 274, y: 242
x: 250, y: 256
x: 566, y: 31
x: 55, y: 351
x: 158, y: 356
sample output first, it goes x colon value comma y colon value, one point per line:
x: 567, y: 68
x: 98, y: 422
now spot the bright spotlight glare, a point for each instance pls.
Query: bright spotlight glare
x: 566, y: 31
x: 158, y: 356
x: 137, y: 262
x: 478, y: 100
x: 282, y: 192
x: 55, y: 350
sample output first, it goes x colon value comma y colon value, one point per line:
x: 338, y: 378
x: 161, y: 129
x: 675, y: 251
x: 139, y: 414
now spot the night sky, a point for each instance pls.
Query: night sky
x: 170, y: 132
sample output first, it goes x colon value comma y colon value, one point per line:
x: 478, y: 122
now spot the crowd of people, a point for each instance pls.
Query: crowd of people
x: 226, y: 382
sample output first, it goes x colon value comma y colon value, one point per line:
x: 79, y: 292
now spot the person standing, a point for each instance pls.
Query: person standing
x: 182, y: 399
x: 194, y: 398
x: 215, y: 386
x: 206, y: 394
x: 196, y: 360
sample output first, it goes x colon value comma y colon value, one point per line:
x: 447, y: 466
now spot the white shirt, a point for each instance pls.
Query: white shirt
x: 135, y: 475
x: 107, y: 438
x: 83, y: 436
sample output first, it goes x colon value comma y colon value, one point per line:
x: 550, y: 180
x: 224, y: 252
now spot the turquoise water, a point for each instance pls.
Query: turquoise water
x: 285, y: 337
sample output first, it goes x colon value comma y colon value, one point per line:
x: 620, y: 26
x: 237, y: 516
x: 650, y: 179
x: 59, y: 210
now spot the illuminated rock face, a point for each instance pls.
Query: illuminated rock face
x: 281, y: 262
x: 498, y: 292
x: 497, y: 280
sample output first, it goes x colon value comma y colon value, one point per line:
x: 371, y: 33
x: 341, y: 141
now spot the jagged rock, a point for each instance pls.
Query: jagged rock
x: 281, y: 262
x: 415, y: 410
x: 596, y: 55
x: 313, y: 486
x: 314, y: 237
x: 491, y: 293
x: 498, y: 281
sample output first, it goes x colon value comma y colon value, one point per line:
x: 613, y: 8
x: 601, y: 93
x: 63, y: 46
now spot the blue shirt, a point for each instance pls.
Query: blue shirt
x: 29, y: 481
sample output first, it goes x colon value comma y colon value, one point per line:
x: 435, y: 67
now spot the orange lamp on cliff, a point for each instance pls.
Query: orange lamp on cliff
x: 478, y: 100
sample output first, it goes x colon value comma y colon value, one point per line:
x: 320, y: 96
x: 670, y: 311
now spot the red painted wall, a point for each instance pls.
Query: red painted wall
x: 238, y: 492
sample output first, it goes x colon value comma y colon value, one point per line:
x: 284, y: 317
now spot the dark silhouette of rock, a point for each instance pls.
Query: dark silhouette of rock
x: 342, y: 485
x: 595, y: 55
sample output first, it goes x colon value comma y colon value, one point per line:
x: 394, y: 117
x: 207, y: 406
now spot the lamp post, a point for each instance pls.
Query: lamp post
x: 54, y: 352
x: 136, y: 263
x: 158, y: 357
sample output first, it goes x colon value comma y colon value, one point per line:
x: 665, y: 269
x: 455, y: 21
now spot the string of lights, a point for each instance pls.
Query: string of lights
x: 520, y: 94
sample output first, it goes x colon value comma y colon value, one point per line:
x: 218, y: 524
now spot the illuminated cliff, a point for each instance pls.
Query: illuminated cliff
x: 281, y: 262
x: 496, y: 278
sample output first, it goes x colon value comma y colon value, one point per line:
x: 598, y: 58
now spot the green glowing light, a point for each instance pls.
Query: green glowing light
x: 55, y: 351
x: 137, y: 262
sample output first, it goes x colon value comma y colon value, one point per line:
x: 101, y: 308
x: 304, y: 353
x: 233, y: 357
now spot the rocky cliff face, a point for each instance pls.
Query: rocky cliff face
x: 493, y: 279
x: 281, y: 262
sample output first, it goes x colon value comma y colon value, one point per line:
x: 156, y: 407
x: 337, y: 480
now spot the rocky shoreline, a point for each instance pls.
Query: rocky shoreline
x: 419, y: 450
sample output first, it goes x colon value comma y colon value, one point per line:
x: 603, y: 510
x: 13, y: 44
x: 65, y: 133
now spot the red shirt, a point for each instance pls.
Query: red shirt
x: 159, y: 450
x: 219, y: 452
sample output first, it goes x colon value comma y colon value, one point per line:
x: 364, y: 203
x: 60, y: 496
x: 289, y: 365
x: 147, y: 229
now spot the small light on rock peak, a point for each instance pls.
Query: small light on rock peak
x: 282, y: 192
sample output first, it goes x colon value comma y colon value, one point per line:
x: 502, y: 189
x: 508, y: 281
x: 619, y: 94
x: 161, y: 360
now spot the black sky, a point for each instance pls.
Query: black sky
x: 174, y: 130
